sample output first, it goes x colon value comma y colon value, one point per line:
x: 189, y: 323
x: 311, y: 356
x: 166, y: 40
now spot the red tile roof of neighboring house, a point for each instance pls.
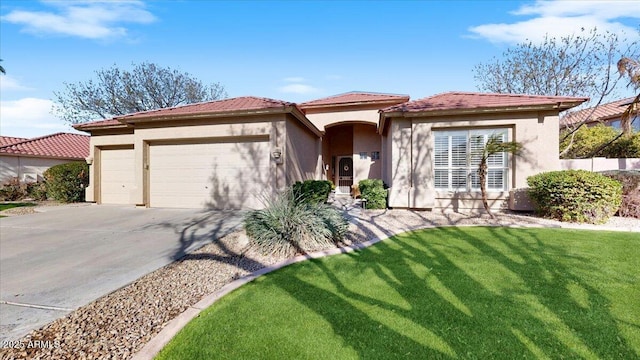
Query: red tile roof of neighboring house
x: 598, y: 113
x: 59, y: 145
x: 6, y: 140
x: 355, y: 97
x: 238, y: 104
x: 453, y: 101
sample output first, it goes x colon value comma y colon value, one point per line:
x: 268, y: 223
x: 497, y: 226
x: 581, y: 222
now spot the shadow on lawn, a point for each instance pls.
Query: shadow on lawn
x: 512, y: 296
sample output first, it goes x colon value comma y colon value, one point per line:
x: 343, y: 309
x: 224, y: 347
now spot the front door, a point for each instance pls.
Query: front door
x: 345, y: 175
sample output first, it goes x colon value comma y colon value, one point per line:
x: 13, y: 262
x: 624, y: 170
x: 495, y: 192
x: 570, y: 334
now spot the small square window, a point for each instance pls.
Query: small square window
x: 363, y: 156
x: 375, y: 155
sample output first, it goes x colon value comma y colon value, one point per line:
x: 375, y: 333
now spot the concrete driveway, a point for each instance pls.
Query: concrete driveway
x: 53, y: 262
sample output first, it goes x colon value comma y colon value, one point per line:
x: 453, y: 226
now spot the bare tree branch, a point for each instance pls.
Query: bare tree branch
x: 119, y: 92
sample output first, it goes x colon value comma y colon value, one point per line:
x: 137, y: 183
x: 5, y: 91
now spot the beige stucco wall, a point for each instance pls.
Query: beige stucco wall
x: 367, y: 140
x: 398, y: 154
x: 410, y: 153
x: 302, y: 153
x: 26, y: 169
x: 299, y: 146
x: 321, y: 120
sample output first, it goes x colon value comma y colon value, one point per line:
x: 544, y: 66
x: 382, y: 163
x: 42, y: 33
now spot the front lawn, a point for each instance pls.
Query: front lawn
x: 6, y: 206
x: 481, y: 292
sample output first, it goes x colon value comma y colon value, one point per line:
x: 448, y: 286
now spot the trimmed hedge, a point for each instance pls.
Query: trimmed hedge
x: 37, y: 191
x: 630, y: 180
x: 14, y: 190
x: 66, y: 182
x: 315, y: 191
x: 374, y: 192
x: 575, y: 195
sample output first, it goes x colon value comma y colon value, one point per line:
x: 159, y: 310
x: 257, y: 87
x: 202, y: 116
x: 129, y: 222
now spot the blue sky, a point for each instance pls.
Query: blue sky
x: 289, y: 50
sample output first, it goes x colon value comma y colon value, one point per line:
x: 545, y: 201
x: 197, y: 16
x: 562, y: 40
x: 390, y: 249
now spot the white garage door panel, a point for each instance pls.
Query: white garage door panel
x: 216, y: 175
x: 116, y: 176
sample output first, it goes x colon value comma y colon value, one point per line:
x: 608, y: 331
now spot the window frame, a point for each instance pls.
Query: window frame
x: 461, y: 173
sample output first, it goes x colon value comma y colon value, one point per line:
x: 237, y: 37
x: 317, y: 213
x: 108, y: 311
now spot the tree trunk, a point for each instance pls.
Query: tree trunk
x: 482, y: 175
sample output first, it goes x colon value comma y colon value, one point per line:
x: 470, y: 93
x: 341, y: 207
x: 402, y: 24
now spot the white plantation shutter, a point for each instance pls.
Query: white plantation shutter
x: 457, y: 155
x: 458, y: 150
x: 476, y: 142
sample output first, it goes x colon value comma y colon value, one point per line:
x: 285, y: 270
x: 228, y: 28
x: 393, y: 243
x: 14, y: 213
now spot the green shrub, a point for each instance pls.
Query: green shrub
x: 623, y: 148
x: 13, y: 190
x: 316, y: 191
x: 66, y: 182
x: 575, y: 195
x: 630, y: 180
x: 37, y: 191
x: 374, y: 192
x: 288, y: 225
x: 587, y: 139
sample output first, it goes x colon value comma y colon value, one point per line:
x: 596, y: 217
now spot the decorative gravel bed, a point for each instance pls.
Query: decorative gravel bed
x: 119, y: 324
x: 38, y: 205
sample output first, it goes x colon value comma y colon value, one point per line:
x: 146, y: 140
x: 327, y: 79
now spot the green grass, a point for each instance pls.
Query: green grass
x: 5, y: 206
x: 463, y: 293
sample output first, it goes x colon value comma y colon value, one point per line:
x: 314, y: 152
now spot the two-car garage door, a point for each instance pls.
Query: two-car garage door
x: 221, y: 175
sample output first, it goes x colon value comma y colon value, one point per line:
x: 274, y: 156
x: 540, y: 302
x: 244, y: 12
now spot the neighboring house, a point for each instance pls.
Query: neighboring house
x: 231, y: 153
x: 27, y: 159
x: 608, y: 114
x: 6, y: 140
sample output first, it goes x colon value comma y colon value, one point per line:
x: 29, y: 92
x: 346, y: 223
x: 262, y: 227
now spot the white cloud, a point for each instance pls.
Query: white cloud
x: 8, y: 83
x: 86, y: 19
x: 29, y: 117
x: 298, y: 89
x: 562, y: 18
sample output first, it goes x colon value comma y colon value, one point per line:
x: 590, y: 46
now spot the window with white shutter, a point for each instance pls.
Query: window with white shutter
x: 457, y: 155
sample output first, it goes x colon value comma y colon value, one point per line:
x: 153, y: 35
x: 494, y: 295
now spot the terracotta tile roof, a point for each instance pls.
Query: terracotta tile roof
x: 452, y: 101
x: 59, y: 145
x: 238, y: 104
x: 598, y: 113
x: 6, y: 140
x: 355, y: 97
x: 98, y: 123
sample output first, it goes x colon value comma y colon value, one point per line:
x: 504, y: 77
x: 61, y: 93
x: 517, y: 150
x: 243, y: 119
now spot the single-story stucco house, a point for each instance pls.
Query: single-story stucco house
x: 28, y: 159
x: 231, y: 153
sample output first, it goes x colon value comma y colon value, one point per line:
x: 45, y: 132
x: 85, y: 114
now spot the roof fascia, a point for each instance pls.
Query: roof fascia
x: 502, y: 109
x: 195, y: 116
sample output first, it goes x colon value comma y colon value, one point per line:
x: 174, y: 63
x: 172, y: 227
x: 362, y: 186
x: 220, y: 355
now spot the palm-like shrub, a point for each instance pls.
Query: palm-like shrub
x: 289, y: 225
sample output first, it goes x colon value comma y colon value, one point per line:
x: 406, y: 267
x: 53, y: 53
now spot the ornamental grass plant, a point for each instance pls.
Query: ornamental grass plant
x: 288, y: 225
